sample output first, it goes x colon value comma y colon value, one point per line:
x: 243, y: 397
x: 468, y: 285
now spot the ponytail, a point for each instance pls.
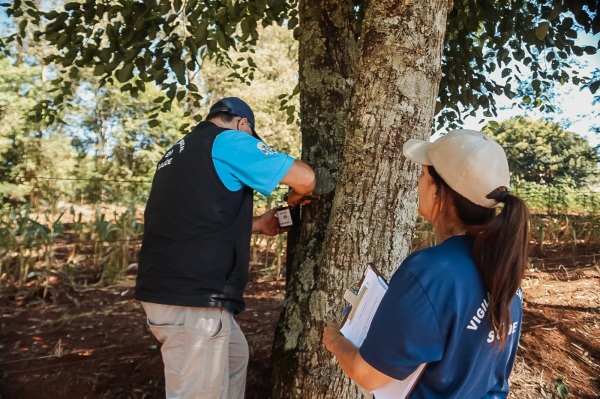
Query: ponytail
x: 501, y: 251
x: 500, y: 246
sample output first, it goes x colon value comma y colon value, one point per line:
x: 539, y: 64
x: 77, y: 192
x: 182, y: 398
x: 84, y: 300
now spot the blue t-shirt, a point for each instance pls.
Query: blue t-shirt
x: 435, y: 312
x: 242, y: 160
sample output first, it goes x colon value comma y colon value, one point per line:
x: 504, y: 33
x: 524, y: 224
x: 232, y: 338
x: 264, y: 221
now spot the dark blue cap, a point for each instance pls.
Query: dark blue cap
x: 234, y: 106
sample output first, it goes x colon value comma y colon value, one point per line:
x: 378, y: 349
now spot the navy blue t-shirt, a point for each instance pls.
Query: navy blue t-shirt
x: 435, y: 312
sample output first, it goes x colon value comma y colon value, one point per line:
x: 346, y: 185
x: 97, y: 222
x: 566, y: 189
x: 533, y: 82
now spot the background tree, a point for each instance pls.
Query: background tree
x: 27, y: 151
x: 110, y: 140
x: 116, y: 141
x: 544, y: 153
x: 274, y: 78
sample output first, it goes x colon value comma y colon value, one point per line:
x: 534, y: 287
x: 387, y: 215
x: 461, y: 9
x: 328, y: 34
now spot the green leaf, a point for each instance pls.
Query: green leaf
x: 222, y: 40
x: 178, y: 66
x: 22, y: 26
x: 542, y: 31
x: 126, y: 87
x: 72, y: 6
x: 99, y: 70
x: 201, y: 32
x: 125, y: 73
x: 558, y: 9
x: 74, y: 73
x: 212, y: 45
x: 153, y: 123
x: 191, y: 44
x: 231, y: 9
x: 493, y: 125
x: 139, y: 23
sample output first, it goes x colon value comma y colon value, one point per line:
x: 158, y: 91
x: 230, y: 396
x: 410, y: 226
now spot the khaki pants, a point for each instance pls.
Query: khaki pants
x: 204, y: 351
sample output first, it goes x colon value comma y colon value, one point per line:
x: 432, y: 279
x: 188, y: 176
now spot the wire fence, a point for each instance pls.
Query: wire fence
x: 88, y: 179
x: 56, y: 233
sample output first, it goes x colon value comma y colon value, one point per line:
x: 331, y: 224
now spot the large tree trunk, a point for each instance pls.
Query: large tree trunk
x: 396, y: 75
x: 327, y: 47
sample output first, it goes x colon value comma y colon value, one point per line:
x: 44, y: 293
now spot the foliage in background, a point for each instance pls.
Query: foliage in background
x: 136, y: 43
x: 275, y: 76
x: 116, y: 142
x: 516, y: 48
x: 108, y: 148
x: 81, y: 246
x: 26, y: 150
x: 544, y: 153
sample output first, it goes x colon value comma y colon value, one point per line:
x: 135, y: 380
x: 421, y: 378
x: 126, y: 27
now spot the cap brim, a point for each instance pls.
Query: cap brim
x: 417, y: 151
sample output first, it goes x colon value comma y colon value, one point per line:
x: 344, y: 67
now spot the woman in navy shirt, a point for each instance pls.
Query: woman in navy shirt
x: 457, y: 306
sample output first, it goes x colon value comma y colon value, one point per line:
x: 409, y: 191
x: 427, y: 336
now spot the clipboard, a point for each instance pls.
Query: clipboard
x: 362, y: 305
x: 358, y: 314
x: 356, y: 297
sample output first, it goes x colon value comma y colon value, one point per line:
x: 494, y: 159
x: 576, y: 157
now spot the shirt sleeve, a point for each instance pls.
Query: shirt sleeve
x: 242, y: 160
x: 404, y: 332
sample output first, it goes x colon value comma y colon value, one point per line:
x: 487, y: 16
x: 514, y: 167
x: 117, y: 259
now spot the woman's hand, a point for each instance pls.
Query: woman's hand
x: 350, y: 359
x: 330, y: 336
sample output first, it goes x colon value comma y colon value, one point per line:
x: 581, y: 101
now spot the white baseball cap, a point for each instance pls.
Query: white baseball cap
x: 471, y: 163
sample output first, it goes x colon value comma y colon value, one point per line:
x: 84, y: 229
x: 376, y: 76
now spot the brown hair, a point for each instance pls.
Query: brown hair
x: 501, y: 245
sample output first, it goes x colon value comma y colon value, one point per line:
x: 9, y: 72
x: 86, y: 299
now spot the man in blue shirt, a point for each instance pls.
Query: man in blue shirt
x: 193, y: 264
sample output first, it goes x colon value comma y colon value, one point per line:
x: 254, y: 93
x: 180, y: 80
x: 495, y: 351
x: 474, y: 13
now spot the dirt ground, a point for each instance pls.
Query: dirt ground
x: 93, y: 343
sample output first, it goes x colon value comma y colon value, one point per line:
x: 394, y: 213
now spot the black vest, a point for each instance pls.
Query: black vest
x: 196, y: 244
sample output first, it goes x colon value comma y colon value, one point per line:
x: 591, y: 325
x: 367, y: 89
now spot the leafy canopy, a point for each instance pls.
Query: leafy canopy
x: 136, y: 42
x: 515, y: 48
x: 108, y: 147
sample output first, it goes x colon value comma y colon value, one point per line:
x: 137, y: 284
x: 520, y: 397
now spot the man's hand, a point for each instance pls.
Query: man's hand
x: 293, y: 198
x: 268, y: 224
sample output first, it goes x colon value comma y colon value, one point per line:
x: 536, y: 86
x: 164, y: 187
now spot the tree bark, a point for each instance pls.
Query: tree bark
x: 327, y: 46
x: 371, y: 219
